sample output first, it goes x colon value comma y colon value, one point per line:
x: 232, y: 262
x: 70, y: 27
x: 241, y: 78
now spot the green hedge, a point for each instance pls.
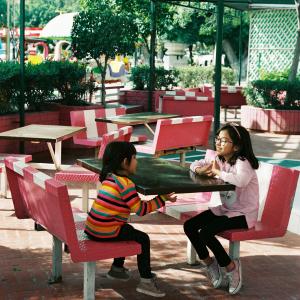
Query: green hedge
x: 278, y: 94
x: 164, y: 79
x: 195, y: 76
x: 40, y: 83
x: 187, y: 77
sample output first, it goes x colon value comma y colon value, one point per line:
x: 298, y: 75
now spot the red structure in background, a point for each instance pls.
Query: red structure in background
x: 29, y: 32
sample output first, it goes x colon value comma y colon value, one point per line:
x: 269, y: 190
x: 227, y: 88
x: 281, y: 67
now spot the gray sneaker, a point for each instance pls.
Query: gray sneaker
x: 214, y: 273
x: 149, y: 287
x: 119, y: 273
x: 235, y: 278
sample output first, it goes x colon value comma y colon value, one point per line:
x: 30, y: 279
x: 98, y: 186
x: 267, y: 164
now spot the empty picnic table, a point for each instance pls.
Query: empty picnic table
x: 44, y: 133
x: 143, y: 118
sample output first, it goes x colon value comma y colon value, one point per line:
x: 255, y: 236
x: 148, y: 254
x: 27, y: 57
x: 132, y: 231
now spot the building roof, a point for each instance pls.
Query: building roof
x: 60, y: 26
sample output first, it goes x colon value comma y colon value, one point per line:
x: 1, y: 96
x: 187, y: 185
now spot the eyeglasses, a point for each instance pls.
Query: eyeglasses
x: 222, y: 141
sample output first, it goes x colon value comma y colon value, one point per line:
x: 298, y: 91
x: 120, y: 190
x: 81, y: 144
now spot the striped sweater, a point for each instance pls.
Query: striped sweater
x: 116, y: 199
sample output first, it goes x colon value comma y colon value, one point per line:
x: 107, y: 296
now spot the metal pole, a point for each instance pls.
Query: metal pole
x: 240, y: 47
x: 152, y: 54
x: 218, y: 67
x: 8, y: 31
x: 22, y: 69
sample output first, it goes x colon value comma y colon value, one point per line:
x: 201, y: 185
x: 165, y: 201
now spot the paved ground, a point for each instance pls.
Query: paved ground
x: 271, y: 267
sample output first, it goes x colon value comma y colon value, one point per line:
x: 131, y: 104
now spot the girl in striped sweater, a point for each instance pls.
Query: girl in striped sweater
x: 116, y: 199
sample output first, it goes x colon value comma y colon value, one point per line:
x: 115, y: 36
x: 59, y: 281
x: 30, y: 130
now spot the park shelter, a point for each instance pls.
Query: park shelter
x: 236, y: 4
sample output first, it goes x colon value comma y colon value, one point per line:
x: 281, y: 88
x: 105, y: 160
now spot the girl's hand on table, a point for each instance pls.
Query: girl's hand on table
x: 170, y: 197
x: 206, y: 170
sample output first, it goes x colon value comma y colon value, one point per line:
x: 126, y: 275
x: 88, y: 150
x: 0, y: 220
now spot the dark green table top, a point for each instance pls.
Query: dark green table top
x: 158, y: 176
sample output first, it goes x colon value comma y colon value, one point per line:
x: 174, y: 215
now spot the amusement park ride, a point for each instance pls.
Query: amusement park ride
x: 39, y: 49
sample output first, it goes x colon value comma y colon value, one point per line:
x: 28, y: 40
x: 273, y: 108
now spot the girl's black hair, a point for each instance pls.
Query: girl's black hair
x: 114, y: 155
x: 241, y: 138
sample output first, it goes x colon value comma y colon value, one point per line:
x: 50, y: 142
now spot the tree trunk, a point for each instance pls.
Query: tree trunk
x: 295, y: 63
x: 103, y: 75
x: 191, y: 54
x: 232, y: 58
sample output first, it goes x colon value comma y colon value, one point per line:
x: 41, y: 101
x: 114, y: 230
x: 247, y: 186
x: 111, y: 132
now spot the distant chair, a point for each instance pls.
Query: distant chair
x: 92, y: 137
x: 82, y: 176
x: 122, y: 134
x: 178, y: 135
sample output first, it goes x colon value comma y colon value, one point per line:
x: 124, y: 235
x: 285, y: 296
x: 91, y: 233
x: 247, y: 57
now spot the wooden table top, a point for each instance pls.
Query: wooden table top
x: 158, y: 176
x: 37, y: 132
x: 137, y: 118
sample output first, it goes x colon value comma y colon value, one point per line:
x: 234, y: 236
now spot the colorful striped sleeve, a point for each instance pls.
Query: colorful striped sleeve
x: 135, y: 203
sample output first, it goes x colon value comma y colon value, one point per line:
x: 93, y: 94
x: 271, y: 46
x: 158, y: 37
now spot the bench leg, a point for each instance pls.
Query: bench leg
x: 56, y: 275
x: 85, y: 197
x: 190, y: 253
x: 234, y: 249
x: 182, y: 159
x: 89, y: 280
x: 3, y: 182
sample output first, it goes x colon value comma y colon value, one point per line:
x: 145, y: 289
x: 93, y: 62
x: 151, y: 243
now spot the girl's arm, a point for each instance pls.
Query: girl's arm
x: 140, y: 207
x: 240, y: 177
x: 201, y: 167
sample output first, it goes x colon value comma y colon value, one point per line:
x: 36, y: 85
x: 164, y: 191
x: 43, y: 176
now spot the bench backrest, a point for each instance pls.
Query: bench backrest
x: 122, y: 134
x: 94, y: 129
x: 182, y: 132
x: 113, y: 92
x: 277, y: 187
x: 37, y: 196
x: 186, y: 103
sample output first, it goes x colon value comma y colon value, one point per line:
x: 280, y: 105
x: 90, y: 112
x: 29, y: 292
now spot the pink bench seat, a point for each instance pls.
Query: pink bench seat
x: 37, y: 196
x: 77, y: 173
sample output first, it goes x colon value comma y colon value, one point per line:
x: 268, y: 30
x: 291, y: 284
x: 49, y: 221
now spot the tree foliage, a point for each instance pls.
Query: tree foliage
x: 103, y: 30
x: 2, y: 13
x: 40, y: 12
x: 140, y: 11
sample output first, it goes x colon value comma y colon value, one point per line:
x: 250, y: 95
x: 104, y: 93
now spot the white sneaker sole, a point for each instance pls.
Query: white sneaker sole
x: 149, y: 293
x: 237, y: 289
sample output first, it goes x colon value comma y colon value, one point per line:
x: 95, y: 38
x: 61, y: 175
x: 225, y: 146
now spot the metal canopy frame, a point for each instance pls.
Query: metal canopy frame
x: 241, y: 5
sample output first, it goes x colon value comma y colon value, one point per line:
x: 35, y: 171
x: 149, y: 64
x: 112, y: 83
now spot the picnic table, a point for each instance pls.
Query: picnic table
x: 159, y: 176
x: 137, y: 119
x: 44, y: 133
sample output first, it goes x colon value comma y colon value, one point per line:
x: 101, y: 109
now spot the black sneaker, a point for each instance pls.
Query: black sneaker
x: 119, y: 273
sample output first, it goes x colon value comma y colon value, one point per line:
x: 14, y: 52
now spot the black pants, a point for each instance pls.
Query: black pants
x: 129, y: 233
x: 209, y: 225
